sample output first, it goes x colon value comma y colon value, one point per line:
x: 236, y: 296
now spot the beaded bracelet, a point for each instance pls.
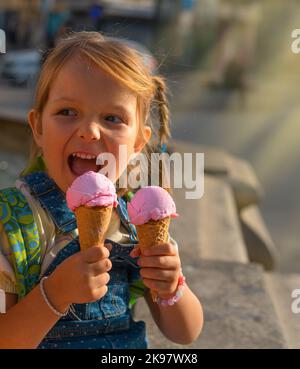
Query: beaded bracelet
x: 56, y: 312
x: 179, y: 292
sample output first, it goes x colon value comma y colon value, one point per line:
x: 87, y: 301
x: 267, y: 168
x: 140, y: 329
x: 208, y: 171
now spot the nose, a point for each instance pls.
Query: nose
x: 89, y: 131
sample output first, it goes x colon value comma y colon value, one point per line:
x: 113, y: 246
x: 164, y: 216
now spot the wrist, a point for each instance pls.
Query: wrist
x: 54, y: 295
x: 169, y: 300
x: 166, y: 296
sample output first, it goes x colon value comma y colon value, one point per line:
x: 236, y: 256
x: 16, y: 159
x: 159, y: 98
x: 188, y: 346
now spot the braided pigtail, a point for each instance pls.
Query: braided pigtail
x: 161, y: 106
x: 162, y: 109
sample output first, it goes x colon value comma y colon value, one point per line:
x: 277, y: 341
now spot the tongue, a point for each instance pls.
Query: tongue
x: 80, y: 166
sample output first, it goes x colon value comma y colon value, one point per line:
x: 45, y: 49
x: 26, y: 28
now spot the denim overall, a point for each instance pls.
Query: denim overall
x: 106, y: 323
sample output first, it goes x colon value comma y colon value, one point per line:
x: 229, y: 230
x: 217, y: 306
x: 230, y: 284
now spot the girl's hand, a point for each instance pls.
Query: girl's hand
x: 79, y: 279
x: 160, y: 268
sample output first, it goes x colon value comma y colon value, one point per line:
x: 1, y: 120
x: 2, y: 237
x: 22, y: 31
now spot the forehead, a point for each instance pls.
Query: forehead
x: 81, y: 79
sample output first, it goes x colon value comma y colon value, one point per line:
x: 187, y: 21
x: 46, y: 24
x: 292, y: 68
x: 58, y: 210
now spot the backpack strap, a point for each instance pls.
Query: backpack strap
x: 52, y: 199
x: 22, y: 233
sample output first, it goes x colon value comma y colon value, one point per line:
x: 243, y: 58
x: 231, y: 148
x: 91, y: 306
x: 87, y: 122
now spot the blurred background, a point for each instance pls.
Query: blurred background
x: 232, y: 76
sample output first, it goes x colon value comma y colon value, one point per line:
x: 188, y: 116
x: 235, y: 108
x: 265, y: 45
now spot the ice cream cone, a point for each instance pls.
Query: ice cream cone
x: 152, y: 233
x: 92, y: 197
x: 92, y: 225
x: 151, y: 210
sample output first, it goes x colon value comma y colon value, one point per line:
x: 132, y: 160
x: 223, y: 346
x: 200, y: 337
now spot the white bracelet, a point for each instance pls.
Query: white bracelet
x: 56, y: 312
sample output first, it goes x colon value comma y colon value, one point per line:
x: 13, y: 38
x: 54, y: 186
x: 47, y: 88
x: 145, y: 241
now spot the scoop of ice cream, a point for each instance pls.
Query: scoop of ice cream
x: 151, y: 202
x: 91, y: 189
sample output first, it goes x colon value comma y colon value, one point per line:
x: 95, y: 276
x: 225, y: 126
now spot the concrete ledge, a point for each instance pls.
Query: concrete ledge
x: 220, y: 233
x: 15, y: 137
x: 280, y: 287
x: 245, y: 185
x: 212, y: 222
x: 260, y: 246
x: 241, y: 176
x: 238, y: 310
x: 16, y: 115
x: 214, y: 158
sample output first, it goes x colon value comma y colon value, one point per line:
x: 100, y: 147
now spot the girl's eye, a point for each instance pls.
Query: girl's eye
x: 114, y: 119
x: 67, y: 112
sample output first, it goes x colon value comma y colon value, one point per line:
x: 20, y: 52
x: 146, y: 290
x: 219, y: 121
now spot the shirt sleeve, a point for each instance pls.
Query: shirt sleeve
x: 7, y: 275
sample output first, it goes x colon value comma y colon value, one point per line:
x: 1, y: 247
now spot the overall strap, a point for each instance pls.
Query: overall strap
x: 52, y: 199
x: 136, y: 288
x: 123, y: 213
x: 23, y: 237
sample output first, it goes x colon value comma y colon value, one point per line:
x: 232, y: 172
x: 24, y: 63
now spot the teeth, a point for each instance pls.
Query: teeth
x: 83, y: 156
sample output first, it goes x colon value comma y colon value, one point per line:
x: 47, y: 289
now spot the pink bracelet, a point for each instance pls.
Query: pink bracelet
x: 179, y: 292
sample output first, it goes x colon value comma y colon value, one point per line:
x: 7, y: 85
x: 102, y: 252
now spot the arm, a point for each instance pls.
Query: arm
x: 31, y: 311
x: 81, y: 278
x: 181, y: 323
x: 160, y: 270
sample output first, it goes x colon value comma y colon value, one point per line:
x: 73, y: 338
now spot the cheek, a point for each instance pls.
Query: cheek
x: 57, y: 130
x: 121, y: 142
x: 122, y: 147
x: 54, y: 139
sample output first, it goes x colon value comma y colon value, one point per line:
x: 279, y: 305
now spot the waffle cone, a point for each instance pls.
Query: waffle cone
x: 152, y: 233
x: 92, y: 223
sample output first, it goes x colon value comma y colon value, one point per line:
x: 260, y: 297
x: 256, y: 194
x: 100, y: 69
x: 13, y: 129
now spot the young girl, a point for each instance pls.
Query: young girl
x: 93, y: 95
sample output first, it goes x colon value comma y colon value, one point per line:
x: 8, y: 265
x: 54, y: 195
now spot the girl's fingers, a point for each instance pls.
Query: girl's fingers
x: 100, y: 267
x: 101, y: 280
x: 163, y: 262
x: 161, y: 249
x: 94, y: 254
x: 108, y: 246
x: 159, y: 274
x: 136, y: 252
x: 100, y: 292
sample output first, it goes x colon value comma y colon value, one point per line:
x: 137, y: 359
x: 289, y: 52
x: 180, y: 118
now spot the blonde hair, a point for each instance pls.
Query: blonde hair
x: 119, y: 61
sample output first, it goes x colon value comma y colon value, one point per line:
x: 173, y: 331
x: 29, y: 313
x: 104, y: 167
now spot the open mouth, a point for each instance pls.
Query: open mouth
x: 82, y: 163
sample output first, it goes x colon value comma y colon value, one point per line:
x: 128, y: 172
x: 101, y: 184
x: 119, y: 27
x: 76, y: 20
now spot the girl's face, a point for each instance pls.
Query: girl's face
x: 87, y: 113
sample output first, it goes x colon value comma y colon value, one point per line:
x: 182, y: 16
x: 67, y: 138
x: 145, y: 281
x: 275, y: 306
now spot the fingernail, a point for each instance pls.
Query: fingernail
x: 108, y: 246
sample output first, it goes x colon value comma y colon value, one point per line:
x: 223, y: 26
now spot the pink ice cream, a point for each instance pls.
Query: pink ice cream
x: 91, y: 189
x: 151, y: 202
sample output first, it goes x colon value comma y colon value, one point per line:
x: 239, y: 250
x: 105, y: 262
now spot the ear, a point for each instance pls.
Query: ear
x: 142, y: 139
x: 36, y: 126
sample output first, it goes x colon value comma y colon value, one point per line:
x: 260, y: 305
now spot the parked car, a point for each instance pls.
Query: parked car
x: 20, y: 67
